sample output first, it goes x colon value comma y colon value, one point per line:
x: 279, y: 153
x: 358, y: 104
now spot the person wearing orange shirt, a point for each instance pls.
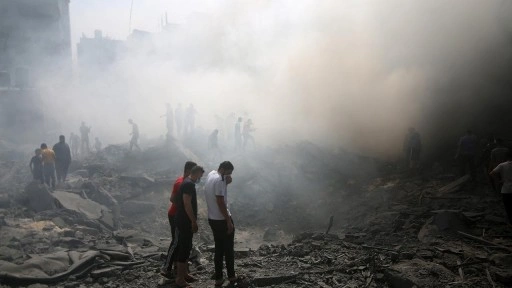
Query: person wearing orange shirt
x: 48, y: 165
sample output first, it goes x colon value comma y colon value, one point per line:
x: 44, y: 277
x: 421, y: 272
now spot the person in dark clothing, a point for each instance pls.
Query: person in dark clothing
x: 62, y: 158
x: 186, y: 224
x: 84, y: 137
x: 36, y: 166
x: 170, y: 260
x: 466, y: 153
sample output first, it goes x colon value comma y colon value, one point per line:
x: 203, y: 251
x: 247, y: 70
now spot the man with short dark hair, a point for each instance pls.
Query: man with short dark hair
x: 220, y: 221
x: 166, y: 270
x: 62, y: 158
x: 186, y: 224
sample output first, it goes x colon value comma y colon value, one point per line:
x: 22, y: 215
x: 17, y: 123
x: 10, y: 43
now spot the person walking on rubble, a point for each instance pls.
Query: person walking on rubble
x: 36, y: 166
x: 48, y: 158
x: 503, y: 172
x: 412, y: 148
x: 190, y: 119
x: 74, y: 140
x: 63, y: 158
x: 213, y: 144
x: 135, y: 135
x: 186, y: 225
x: 84, y: 136
x: 169, y: 121
x: 170, y: 260
x: 466, y: 153
x: 221, y: 223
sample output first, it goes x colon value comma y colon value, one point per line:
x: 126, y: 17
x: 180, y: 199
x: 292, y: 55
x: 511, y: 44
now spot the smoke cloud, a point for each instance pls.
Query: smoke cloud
x: 339, y: 73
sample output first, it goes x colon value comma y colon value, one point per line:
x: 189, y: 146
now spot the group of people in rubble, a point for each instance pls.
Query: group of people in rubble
x: 491, y: 154
x: 47, y: 162
x: 182, y: 214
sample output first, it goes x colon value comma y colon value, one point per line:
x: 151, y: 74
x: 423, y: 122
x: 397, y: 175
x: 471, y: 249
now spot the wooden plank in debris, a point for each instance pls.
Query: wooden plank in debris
x: 455, y: 185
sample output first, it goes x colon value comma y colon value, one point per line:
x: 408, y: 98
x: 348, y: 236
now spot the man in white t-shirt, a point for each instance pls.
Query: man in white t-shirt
x: 504, y: 172
x: 220, y: 221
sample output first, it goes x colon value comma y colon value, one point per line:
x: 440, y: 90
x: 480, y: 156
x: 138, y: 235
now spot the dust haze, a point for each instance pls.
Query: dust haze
x: 355, y: 74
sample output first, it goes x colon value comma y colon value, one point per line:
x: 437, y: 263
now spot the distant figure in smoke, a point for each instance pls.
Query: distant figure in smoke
x: 97, y: 144
x: 412, y: 148
x: 498, y: 156
x: 84, y: 135
x: 135, y: 135
x: 36, y: 166
x: 75, y: 144
x: 238, y: 134
x: 466, y: 153
x: 166, y: 269
x: 179, y: 119
x: 48, y: 157
x: 190, y: 119
x: 248, y: 129
x: 62, y: 158
x: 503, y: 173
x: 169, y: 121
x: 213, y: 144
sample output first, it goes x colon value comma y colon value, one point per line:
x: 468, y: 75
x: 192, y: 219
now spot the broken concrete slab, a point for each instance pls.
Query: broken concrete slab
x: 92, y: 210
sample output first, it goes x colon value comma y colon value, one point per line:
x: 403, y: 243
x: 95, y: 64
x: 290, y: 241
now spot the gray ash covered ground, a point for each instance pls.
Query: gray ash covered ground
x: 107, y: 226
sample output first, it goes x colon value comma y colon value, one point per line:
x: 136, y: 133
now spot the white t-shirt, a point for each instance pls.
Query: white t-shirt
x: 214, y: 187
x: 505, y: 170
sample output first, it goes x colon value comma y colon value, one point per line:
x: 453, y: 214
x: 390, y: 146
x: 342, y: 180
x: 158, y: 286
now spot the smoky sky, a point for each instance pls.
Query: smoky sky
x: 338, y: 73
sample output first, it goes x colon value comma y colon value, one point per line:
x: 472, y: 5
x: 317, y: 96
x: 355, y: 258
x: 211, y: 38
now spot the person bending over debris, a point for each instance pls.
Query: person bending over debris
x: 221, y: 222
x: 36, y: 166
x: 186, y: 225
x: 48, y: 157
x: 504, y: 172
x: 63, y: 158
x: 166, y: 269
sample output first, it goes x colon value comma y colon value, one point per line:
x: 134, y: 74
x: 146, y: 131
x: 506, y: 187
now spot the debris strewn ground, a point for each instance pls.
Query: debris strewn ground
x: 107, y: 225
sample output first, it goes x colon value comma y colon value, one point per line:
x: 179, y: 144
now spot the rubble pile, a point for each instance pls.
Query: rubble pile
x: 107, y: 225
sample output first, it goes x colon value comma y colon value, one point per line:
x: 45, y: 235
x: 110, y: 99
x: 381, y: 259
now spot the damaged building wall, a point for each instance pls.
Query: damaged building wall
x: 35, y: 35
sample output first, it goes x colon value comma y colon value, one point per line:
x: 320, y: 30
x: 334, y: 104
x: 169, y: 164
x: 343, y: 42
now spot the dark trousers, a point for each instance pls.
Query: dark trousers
x: 49, y: 174
x: 171, y: 257
x: 224, y: 247
x: 62, y: 170
x: 507, y: 201
x: 467, y: 161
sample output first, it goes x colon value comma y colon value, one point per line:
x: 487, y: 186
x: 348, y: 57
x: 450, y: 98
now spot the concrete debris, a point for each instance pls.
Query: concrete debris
x: 107, y: 225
